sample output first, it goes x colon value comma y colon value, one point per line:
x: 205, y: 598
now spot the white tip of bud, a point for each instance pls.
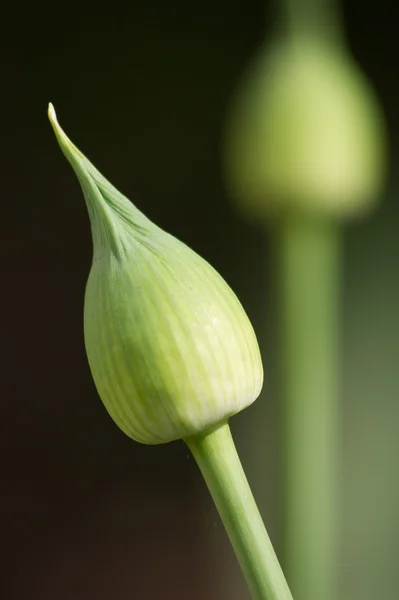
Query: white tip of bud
x: 51, y: 114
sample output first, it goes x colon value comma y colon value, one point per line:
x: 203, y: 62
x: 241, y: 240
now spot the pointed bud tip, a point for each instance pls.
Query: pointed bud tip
x: 51, y: 114
x: 65, y: 143
x: 54, y: 122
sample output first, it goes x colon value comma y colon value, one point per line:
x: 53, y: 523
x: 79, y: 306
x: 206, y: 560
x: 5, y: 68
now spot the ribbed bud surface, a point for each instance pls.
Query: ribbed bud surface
x: 169, y: 345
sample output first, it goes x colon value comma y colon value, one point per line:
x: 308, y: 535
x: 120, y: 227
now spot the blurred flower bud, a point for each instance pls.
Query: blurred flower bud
x: 170, y: 347
x: 305, y: 131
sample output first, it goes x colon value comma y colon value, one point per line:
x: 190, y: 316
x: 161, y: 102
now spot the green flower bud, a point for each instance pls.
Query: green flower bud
x: 305, y: 131
x: 170, y: 348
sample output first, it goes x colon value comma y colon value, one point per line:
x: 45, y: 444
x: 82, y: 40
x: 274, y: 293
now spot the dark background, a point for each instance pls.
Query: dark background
x: 142, y: 89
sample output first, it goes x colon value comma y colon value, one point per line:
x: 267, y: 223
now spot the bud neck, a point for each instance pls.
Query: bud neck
x: 313, y: 18
x: 114, y: 219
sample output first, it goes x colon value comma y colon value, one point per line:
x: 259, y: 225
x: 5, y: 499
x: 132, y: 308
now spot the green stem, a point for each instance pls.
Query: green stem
x: 320, y: 18
x: 309, y: 261
x: 220, y: 465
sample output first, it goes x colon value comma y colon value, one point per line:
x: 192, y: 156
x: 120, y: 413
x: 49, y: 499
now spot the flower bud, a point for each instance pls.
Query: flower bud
x: 305, y: 132
x: 170, y: 348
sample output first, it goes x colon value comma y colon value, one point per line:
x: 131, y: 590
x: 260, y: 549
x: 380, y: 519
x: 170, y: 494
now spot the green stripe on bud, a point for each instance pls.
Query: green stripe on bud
x: 171, y: 350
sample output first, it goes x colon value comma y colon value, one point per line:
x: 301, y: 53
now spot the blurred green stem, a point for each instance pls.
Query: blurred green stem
x: 220, y: 465
x: 309, y: 269
x: 314, y: 17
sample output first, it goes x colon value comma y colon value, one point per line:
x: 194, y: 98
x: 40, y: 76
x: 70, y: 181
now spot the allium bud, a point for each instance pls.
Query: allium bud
x: 170, y: 348
x: 305, y: 132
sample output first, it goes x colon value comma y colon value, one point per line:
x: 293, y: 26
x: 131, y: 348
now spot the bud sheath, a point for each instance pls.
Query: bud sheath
x: 171, y: 350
